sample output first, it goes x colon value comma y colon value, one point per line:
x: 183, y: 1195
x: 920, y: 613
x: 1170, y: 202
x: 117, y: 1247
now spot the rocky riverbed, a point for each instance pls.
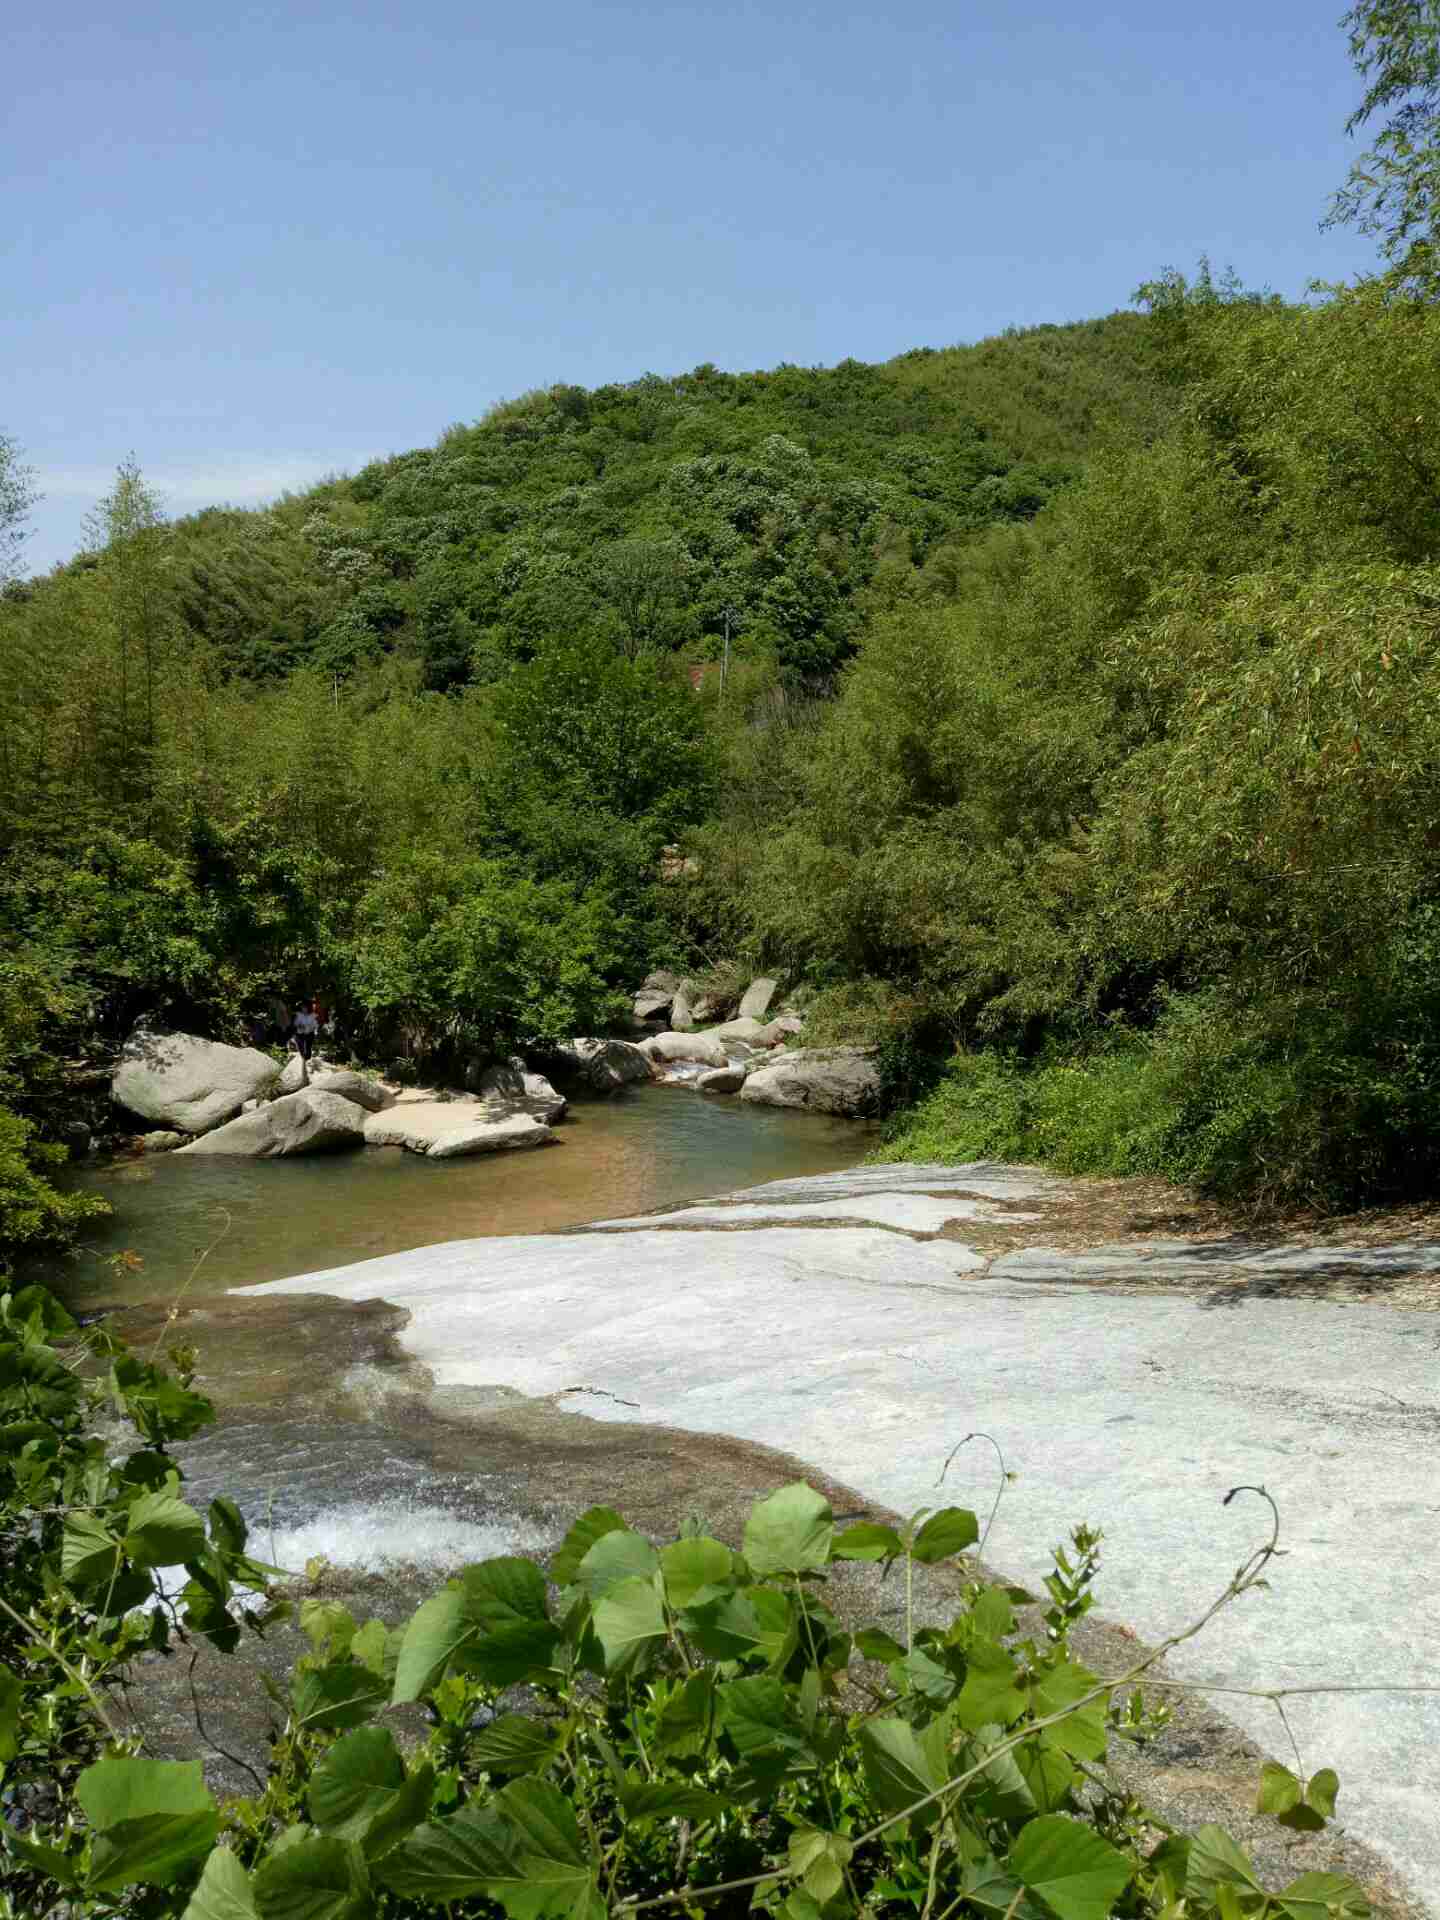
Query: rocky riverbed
x: 865, y: 1322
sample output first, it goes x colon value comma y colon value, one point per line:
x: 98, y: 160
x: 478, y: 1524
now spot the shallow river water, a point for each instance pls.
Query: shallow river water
x: 264, y: 1219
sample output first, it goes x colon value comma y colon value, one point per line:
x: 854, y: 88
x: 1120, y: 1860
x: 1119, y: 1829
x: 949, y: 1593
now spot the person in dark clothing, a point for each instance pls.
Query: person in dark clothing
x: 307, y: 1025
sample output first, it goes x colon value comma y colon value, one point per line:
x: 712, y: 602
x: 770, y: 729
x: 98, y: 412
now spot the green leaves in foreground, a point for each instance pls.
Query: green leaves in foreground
x: 153, y: 1821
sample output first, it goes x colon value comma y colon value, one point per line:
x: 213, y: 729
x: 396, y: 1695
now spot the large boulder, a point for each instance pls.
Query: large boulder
x: 657, y: 996
x: 510, y: 1087
x: 604, y: 1065
x: 703, y: 1047
x: 843, y: 1080
x: 750, y: 1032
x: 368, y: 1094
x: 682, y: 1007
x: 755, y: 1002
x: 181, y: 1081
x: 444, y: 1129
x: 307, y: 1122
x: 722, y: 1080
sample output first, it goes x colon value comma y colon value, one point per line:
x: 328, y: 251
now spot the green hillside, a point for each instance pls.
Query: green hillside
x: 646, y: 510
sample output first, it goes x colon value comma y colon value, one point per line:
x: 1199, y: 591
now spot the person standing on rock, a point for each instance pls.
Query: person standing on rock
x: 307, y: 1025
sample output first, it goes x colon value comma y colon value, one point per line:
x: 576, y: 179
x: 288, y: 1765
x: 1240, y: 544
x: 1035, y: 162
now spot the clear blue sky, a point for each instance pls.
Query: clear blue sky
x: 275, y: 246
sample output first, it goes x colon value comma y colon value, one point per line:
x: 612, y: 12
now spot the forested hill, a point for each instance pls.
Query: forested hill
x: 648, y: 509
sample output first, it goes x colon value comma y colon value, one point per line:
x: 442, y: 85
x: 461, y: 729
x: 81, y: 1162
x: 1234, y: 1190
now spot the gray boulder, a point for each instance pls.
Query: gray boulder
x: 490, y: 1136
x: 843, y: 1080
x: 655, y: 998
x: 703, y: 1047
x: 368, y: 1094
x: 510, y: 1087
x: 783, y: 1027
x: 722, y: 1080
x: 307, y: 1122
x: 294, y: 1075
x: 604, y: 1065
x: 179, y: 1080
x: 755, y: 1003
x: 682, y: 1007
x: 749, y: 1031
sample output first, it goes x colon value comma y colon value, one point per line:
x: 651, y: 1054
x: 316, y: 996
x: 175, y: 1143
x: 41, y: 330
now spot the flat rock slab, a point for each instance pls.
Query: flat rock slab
x: 450, y: 1129
x: 870, y: 1353
x: 1217, y: 1260
x: 904, y: 1212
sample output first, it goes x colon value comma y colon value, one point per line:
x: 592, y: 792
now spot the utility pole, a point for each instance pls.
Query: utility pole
x: 732, y: 618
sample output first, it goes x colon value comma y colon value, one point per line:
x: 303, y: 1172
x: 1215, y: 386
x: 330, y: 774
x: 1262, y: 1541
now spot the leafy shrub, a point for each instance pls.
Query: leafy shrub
x: 33, y: 1212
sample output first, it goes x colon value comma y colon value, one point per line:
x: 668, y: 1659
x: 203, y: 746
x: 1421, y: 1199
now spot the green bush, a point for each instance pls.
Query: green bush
x: 34, y: 1214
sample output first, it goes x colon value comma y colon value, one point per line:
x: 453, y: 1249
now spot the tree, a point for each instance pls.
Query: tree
x: 17, y: 496
x: 128, y: 529
x: 1393, y: 190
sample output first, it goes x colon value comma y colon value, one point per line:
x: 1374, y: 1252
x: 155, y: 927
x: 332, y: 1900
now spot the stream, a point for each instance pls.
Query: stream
x: 326, y: 1437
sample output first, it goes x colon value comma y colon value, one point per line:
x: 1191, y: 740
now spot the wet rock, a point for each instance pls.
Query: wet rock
x: 490, y: 1136
x: 755, y: 1002
x: 307, y: 1122
x: 843, y: 1080
x: 368, y: 1094
x: 163, y: 1140
x: 703, y: 1047
x: 604, y: 1065
x: 186, y: 1082
x: 722, y: 1080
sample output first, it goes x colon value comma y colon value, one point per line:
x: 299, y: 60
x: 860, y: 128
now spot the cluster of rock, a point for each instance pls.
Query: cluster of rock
x: 215, y: 1099
x: 749, y: 1054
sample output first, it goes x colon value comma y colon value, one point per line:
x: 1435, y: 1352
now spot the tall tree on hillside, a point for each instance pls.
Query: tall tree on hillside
x: 17, y: 497
x: 1393, y: 191
x: 128, y: 529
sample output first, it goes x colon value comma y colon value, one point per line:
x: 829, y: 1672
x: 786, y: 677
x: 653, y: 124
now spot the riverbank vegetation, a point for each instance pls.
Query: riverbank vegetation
x: 628, y: 1727
x: 1061, y: 710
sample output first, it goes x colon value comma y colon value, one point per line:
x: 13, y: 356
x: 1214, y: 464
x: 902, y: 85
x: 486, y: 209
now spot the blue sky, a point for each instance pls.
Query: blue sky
x: 264, y: 249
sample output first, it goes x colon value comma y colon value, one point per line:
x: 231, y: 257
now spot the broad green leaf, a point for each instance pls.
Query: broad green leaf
x: 989, y: 1697
x: 1323, y: 1896
x: 549, y: 1868
x: 224, y: 1892
x: 228, y: 1531
x: 44, y: 1859
x: 944, y: 1534
x: 38, y: 1304
x: 327, y: 1620
x: 512, y: 1744
x: 897, y: 1767
x: 452, y: 1859
x: 1047, y: 1773
x: 436, y: 1629
x: 376, y: 1646
x: 1083, y: 1733
x: 728, y: 1625
x: 755, y: 1712
x: 163, y: 1532
x: 689, y: 1565
x: 990, y: 1887
x: 921, y: 1673
x: 89, y: 1552
x: 616, y: 1556
x: 867, y: 1542
x: 790, y: 1532
x: 686, y: 1718
x: 12, y: 1695
x: 312, y: 1876
x: 129, y: 1789
x: 341, y: 1694
x: 875, y: 1645
x: 820, y: 1860
x: 1279, y: 1789
x: 1323, y: 1790
x: 520, y: 1651
x: 670, y: 1800
x: 504, y: 1592
x: 1215, y: 1861
x: 589, y: 1528
x: 360, y: 1791
x: 992, y: 1614
x: 628, y: 1615
x: 1071, y: 1868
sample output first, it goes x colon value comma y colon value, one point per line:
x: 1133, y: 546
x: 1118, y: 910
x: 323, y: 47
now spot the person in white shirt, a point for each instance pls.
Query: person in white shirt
x: 307, y: 1025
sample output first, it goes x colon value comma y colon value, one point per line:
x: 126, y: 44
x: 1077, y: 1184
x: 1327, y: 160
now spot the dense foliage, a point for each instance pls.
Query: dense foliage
x: 690, y: 1724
